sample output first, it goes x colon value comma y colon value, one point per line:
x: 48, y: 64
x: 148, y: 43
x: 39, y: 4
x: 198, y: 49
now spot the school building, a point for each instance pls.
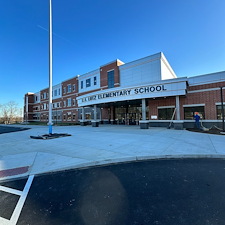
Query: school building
x: 145, y: 92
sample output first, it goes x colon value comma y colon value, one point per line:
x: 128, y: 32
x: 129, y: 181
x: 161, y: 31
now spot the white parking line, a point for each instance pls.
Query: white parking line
x: 23, y: 195
x: 4, y: 221
x: 10, y: 190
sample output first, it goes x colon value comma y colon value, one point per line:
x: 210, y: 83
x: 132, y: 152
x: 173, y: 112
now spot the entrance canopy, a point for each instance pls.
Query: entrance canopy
x: 163, y: 88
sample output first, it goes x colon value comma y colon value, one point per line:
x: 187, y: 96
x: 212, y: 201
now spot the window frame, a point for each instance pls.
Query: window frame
x: 88, y: 82
x: 69, y: 88
x: 168, y: 115
x: 193, y: 107
x: 69, y: 102
x: 111, y: 78
x: 95, y: 80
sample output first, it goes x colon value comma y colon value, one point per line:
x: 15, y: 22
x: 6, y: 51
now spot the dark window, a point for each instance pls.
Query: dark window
x: 69, y: 88
x: 88, y: 82
x: 74, y: 87
x: 95, y: 80
x: 219, y: 111
x: 111, y: 79
x: 165, y: 113
x: 81, y: 84
x: 69, y: 102
x: 190, y: 111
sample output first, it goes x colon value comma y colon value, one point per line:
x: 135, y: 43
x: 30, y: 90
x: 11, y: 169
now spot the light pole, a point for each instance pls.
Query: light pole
x: 50, y: 69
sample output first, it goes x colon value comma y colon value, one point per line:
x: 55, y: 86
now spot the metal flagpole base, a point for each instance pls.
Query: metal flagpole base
x: 50, y: 128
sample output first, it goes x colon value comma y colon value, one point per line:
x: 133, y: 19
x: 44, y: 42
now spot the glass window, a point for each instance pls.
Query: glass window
x: 219, y: 111
x: 111, y: 79
x: 59, y: 91
x: 74, y: 101
x: 88, y: 116
x: 64, y: 103
x: 69, y: 88
x: 69, y: 116
x: 190, y: 111
x: 95, y: 80
x: 69, y: 102
x: 55, y: 92
x: 74, y: 87
x: 81, y: 84
x: 64, y: 90
x: 165, y: 113
x: 88, y: 82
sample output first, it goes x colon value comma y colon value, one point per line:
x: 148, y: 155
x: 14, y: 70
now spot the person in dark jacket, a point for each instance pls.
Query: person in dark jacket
x: 197, y: 118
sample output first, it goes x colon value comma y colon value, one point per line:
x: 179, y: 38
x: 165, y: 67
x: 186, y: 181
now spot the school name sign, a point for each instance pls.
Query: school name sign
x: 172, y: 88
x: 120, y: 94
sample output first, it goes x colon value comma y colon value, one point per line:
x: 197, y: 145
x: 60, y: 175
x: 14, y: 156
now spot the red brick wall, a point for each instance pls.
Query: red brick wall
x: 72, y: 82
x: 104, y: 74
x: 105, y: 114
x: 206, y: 86
x: 209, y: 98
x: 154, y: 103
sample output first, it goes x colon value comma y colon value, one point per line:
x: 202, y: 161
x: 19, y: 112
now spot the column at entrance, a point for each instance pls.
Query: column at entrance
x: 177, y: 108
x: 112, y: 114
x: 144, y: 124
x: 178, y: 124
x: 95, y: 122
x: 82, y: 122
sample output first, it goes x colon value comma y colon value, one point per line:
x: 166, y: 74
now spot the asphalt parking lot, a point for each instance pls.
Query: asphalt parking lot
x: 9, y: 129
x: 162, y: 192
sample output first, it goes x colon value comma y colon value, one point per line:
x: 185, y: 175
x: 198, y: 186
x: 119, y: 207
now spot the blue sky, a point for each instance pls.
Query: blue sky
x: 90, y: 33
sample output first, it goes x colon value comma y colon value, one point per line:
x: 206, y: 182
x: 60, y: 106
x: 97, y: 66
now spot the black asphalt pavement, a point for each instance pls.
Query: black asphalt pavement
x: 157, y: 192
x: 9, y: 129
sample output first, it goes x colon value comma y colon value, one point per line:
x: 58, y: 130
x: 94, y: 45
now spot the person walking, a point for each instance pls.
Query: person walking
x: 197, y: 118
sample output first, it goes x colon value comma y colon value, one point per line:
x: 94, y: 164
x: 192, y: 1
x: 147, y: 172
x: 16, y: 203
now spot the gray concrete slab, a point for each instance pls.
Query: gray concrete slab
x: 105, y: 144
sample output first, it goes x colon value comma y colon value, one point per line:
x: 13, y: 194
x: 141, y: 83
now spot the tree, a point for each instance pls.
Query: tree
x: 10, y: 113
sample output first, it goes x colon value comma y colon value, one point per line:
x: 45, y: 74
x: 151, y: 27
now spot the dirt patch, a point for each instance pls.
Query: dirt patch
x: 212, y: 130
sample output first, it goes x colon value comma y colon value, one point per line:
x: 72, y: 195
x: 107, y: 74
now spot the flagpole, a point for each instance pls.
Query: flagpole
x: 50, y: 69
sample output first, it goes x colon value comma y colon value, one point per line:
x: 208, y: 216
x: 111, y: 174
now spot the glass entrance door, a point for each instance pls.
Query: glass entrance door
x: 133, y: 118
x: 128, y: 113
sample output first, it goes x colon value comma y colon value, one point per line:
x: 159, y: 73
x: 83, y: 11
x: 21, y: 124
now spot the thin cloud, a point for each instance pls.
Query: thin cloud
x: 56, y: 35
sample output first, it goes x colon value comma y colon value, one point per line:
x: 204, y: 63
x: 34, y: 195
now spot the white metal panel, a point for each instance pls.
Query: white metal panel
x: 142, y: 72
x: 166, y: 70
x: 91, y: 76
x: 37, y: 97
x: 206, y: 79
x: 57, y: 87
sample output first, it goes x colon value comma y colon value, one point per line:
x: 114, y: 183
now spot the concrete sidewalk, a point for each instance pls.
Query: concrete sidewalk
x: 90, y: 146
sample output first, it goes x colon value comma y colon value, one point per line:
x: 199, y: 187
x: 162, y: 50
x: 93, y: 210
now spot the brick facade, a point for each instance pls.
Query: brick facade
x: 66, y: 109
x: 104, y: 74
